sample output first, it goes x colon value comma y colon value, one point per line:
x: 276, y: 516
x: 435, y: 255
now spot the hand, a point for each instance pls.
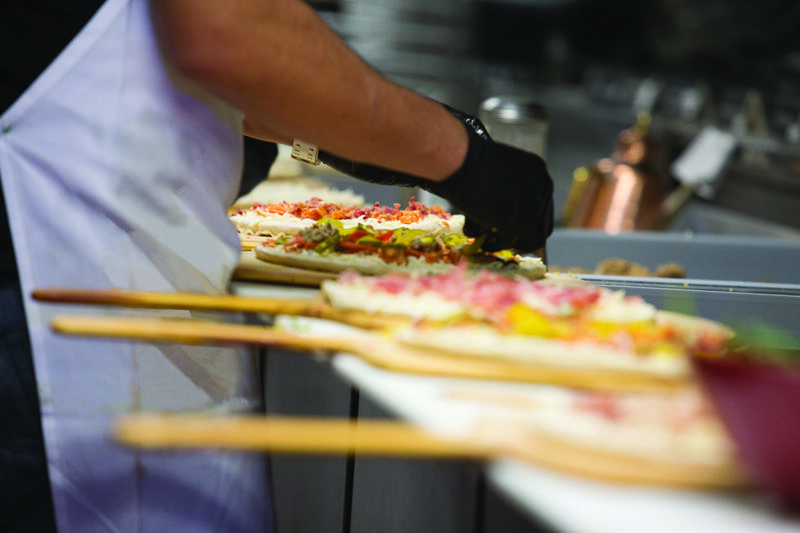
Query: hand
x: 505, y: 193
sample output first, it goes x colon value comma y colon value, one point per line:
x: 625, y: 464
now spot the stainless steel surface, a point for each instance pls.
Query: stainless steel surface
x: 734, y: 258
x: 704, y: 218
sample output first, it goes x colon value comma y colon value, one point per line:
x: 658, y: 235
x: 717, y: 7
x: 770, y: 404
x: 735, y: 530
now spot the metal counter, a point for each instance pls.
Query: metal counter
x: 703, y: 256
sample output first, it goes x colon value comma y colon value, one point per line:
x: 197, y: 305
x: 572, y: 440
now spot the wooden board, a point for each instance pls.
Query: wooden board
x: 491, y: 439
x: 252, y: 269
x: 376, y: 349
x: 308, y: 307
x: 399, y: 358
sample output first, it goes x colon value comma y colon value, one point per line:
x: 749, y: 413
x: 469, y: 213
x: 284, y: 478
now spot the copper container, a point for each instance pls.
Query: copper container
x: 623, y: 193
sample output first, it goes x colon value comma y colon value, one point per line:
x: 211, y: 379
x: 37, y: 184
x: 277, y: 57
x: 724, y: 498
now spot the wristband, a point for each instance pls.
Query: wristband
x: 305, y: 152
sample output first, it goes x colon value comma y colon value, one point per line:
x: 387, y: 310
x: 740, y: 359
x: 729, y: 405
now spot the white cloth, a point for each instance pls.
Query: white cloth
x: 117, y: 173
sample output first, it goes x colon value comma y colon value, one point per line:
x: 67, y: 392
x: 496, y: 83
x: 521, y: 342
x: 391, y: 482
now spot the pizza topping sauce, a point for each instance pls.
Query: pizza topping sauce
x: 487, y: 291
x: 681, y: 411
x: 579, y: 313
x: 393, y: 246
x: 317, y: 209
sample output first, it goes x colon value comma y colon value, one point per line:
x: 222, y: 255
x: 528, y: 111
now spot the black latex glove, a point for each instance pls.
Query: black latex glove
x: 505, y: 193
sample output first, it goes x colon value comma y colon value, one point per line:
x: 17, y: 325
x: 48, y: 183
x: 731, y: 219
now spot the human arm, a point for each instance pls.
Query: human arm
x: 277, y: 61
x: 296, y: 79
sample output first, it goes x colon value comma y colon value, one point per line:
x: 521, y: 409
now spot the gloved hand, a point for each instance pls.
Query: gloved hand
x: 505, y: 193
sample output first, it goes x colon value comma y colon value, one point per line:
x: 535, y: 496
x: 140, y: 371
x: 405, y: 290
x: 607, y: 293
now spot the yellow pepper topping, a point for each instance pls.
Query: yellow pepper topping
x: 526, y: 321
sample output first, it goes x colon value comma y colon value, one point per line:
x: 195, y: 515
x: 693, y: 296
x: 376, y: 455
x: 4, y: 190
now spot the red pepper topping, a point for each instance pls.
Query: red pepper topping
x: 316, y: 209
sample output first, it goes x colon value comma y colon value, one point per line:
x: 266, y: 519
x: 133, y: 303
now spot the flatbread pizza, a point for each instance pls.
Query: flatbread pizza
x: 331, y: 246
x: 296, y: 189
x: 285, y: 218
x: 662, y: 439
x: 576, y: 328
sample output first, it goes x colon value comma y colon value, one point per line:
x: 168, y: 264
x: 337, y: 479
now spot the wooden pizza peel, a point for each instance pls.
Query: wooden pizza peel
x: 308, y: 307
x: 394, y: 439
x: 252, y: 269
x: 490, y: 439
x: 377, y: 349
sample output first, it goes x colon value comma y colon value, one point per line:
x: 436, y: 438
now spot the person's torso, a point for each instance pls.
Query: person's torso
x: 117, y: 172
x: 36, y: 31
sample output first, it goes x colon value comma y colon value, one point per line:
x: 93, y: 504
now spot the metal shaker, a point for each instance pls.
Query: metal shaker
x: 516, y: 121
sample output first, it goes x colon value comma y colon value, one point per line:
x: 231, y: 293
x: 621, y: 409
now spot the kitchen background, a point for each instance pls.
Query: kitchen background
x: 730, y: 68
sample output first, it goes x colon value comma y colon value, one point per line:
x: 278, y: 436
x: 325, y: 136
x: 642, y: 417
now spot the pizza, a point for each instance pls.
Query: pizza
x: 669, y: 439
x: 331, y: 245
x: 285, y: 218
x: 295, y: 189
x: 681, y: 427
x: 576, y: 327
x: 666, y: 439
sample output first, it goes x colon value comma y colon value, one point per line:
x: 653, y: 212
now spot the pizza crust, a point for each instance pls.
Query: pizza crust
x: 336, y: 262
x: 362, y: 298
x: 486, y: 343
x: 529, y: 267
x: 692, y: 328
x: 275, y: 224
x: 697, y: 439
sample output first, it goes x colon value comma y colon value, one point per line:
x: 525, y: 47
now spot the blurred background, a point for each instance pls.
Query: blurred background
x: 646, y: 85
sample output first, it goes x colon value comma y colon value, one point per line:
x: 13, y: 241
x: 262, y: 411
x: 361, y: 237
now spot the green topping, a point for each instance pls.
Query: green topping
x: 327, y: 244
x: 332, y: 221
x: 369, y: 240
x: 406, y: 236
x: 764, y: 341
x: 474, y: 247
x: 368, y: 229
x: 455, y: 239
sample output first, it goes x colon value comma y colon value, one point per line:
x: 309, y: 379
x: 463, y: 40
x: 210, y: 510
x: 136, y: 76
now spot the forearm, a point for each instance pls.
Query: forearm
x: 291, y: 75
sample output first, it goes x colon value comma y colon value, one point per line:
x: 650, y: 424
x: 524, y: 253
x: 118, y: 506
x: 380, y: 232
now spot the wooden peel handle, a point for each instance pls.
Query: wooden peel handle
x: 176, y: 300
x: 291, y: 435
x: 189, y: 331
x: 190, y: 301
x: 390, y: 438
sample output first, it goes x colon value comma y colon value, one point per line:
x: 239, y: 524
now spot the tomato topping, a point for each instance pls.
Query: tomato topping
x: 316, y: 209
x: 393, y: 255
x: 353, y: 247
x: 385, y: 236
x: 357, y: 234
x: 298, y: 243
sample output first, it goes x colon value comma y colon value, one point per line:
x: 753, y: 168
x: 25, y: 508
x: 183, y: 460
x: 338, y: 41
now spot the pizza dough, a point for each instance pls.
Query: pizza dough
x: 578, y: 328
x: 530, y: 267
x: 286, y: 218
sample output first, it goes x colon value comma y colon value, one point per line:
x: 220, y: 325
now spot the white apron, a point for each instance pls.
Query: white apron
x: 117, y: 173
